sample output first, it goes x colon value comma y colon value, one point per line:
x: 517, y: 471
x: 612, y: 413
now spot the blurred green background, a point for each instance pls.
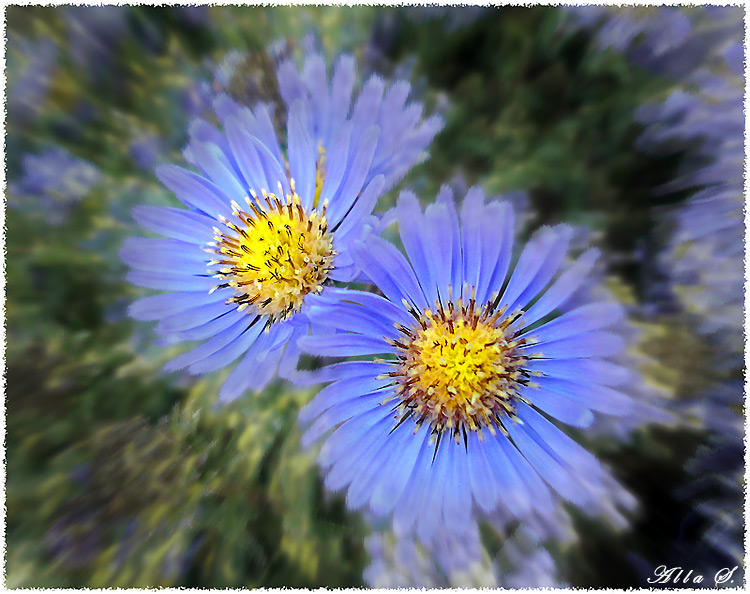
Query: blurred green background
x: 121, y: 475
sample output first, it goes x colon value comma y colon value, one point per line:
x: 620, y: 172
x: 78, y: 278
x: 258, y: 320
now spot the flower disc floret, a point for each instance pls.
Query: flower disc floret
x: 461, y: 368
x: 273, y: 255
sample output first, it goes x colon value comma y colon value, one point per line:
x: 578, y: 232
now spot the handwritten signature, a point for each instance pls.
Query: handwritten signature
x: 674, y: 575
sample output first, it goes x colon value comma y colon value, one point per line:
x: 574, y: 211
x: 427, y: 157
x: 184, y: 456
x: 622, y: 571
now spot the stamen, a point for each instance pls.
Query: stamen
x: 291, y: 247
x: 460, y: 366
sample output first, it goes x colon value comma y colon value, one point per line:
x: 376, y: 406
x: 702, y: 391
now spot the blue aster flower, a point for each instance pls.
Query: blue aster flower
x: 266, y: 225
x: 523, y: 563
x: 95, y: 34
x: 711, y: 534
x: 31, y: 65
x: 478, y: 357
x: 668, y: 40
x: 459, y: 561
x: 712, y: 119
x: 54, y: 182
x: 449, y: 561
x: 702, y: 118
x: 718, y: 472
x: 704, y: 256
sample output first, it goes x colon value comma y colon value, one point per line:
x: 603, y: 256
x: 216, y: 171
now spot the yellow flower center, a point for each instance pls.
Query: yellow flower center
x: 460, y: 369
x: 273, y: 255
